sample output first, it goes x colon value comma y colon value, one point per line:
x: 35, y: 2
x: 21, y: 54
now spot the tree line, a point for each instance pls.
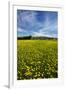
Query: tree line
x: 35, y: 38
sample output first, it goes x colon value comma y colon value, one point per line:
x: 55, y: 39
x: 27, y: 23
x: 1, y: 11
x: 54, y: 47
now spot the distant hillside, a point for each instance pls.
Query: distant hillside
x: 35, y: 38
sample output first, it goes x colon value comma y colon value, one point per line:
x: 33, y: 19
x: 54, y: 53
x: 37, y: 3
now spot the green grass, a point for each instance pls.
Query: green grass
x: 37, y: 59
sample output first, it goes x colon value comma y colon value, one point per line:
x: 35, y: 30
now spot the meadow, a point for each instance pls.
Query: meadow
x: 37, y: 59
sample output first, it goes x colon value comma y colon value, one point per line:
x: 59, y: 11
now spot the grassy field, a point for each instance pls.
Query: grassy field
x: 37, y: 59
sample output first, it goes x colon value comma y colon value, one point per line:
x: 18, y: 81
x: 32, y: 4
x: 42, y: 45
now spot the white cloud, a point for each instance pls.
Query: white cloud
x: 44, y: 34
x: 38, y: 34
x: 49, y: 31
x: 29, y: 23
x: 28, y: 17
x: 20, y: 30
x: 47, y: 21
x: 28, y: 20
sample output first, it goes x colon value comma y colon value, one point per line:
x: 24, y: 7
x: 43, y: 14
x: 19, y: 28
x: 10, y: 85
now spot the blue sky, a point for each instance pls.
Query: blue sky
x: 37, y: 23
